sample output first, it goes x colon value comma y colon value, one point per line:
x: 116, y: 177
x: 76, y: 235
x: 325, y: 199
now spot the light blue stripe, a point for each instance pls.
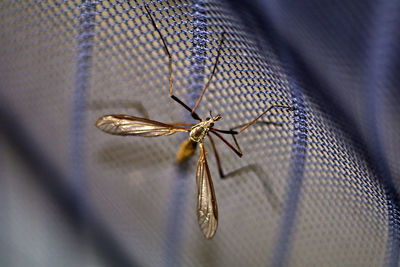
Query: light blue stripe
x: 78, y: 121
x: 183, y: 177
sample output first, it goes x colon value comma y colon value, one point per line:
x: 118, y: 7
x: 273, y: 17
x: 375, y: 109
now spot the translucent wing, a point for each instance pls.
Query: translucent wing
x: 130, y: 125
x: 207, y: 211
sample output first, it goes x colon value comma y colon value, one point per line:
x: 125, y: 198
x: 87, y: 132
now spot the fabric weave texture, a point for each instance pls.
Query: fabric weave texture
x: 321, y: 190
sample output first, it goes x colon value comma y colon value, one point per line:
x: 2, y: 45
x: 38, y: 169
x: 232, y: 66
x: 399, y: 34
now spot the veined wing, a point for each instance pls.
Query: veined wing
x: 207, y: 210
x: 129, y: 125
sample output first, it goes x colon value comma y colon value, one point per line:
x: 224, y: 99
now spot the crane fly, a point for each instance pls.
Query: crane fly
x: 118, y: 124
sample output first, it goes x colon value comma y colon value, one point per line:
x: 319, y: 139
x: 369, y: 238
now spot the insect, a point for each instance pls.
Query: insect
x: 118, y: 124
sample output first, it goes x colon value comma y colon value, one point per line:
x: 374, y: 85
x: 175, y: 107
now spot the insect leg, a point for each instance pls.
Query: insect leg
x: 237, y: 150
x: 212, y: 73
x: 257, y: 122
x: 220, y: 170
x: 259, y: 116
x: 165, y: 47
x: 193, y: 113
x: 272, y: 197
x: 232, y: 132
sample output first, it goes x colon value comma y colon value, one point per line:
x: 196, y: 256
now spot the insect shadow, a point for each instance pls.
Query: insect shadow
x: 127, y: 104
x: 256, y: 169
x: 125, y: 125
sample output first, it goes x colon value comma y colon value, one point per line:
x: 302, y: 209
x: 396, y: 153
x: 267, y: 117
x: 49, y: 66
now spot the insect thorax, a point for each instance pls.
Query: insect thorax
x: 199, y: 131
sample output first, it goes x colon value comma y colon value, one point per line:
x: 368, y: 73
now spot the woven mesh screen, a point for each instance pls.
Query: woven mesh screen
x: 321, y: 190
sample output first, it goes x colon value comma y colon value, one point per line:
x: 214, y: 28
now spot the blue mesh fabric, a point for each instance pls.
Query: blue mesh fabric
x: 322, y: 190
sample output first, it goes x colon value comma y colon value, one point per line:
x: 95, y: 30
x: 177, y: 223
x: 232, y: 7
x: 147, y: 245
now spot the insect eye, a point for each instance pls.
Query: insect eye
x: 211, y: 124
x: 208, y: 118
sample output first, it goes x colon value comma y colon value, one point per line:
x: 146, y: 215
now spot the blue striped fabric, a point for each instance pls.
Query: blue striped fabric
x: 322, y: 190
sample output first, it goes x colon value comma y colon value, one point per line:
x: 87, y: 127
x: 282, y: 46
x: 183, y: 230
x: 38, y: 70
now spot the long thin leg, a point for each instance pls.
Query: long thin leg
x: 273, y: 199
x: 193, y: 113
x: 245, y: 125
x: 233, y: 132
x: 237, y: 150
x: 259, y: 116
x: 220, y: 170
x: 212, y: 73
x: 258, y: 122
x: 166, y: 50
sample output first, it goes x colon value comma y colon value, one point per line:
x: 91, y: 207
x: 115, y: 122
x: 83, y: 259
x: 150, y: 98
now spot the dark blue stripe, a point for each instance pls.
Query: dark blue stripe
x: 348, y: 126
x: 298, y: 158
x: 380, y: 64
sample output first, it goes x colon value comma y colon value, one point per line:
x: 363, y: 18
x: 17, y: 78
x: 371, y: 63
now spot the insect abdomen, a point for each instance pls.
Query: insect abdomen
x: 186, y: 150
